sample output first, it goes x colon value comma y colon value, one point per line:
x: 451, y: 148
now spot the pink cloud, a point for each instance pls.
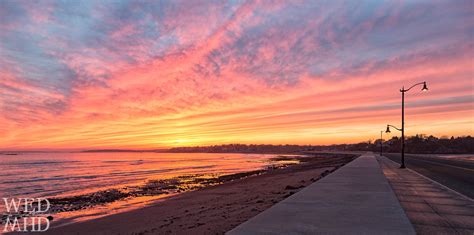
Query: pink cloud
x: 257, y: 72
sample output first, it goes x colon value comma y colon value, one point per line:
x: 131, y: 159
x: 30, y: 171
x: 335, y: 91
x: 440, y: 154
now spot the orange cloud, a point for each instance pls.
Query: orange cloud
x: 247, y: 73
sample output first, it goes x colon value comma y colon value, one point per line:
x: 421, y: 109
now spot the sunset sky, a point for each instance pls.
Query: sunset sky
x: 157, y: 74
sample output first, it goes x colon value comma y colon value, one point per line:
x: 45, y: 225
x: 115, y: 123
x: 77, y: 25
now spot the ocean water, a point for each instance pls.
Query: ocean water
x: 65, y: 174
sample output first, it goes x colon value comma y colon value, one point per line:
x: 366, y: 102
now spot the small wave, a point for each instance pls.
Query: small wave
x: 126, y: 174
x: 49, y: 179
x: 37, y: 163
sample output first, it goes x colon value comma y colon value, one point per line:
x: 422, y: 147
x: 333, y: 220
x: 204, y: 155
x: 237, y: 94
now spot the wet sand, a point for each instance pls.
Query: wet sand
x: 215, y: 209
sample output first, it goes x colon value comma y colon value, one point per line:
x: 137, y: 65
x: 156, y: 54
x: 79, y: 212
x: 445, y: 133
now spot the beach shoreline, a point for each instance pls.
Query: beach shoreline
x: 214, y: 209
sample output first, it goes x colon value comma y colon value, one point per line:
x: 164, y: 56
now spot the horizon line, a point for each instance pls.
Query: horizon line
x: 105, y: 149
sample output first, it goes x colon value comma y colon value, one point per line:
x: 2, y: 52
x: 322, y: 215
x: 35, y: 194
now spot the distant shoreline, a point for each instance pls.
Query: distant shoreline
x: 418, y: 144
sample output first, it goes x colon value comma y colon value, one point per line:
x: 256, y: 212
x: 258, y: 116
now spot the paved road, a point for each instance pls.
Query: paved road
x: 455, y: 174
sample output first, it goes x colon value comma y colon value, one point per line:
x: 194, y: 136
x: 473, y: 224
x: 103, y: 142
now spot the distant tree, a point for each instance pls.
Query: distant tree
x: 419, y: 143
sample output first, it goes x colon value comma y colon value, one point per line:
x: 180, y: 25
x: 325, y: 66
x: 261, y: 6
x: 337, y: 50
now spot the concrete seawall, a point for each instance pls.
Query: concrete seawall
x: 356, y: 199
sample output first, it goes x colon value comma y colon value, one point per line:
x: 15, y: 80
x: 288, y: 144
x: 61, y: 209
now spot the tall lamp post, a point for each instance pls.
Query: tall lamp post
x: 403, y: 90
x: 398, y: 129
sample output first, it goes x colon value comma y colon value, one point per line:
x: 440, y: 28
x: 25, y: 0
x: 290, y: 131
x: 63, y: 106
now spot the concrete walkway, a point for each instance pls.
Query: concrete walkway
x: 356, y: 199
x: 431, y: 207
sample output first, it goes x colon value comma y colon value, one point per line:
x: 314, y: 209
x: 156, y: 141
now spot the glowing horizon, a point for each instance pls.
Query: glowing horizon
x: 137, y: 75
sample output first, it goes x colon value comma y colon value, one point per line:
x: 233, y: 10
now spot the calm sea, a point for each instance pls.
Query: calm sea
x: 64, y: 174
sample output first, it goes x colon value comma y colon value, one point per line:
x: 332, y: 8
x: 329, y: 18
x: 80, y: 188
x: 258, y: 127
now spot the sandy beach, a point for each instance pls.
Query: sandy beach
x: 215, y: 209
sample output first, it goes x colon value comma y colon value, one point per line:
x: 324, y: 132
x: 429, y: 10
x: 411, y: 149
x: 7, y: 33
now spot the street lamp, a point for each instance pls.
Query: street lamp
x: 403, y: 146
x: 381, y: 143
x: 388, y: 128
x: 403, y: 90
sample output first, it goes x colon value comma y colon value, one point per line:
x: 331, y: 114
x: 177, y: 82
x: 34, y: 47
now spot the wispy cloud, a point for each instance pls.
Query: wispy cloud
x: 147, y: 74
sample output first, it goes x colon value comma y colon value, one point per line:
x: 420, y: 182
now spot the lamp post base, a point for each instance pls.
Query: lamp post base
x: 402, y: 167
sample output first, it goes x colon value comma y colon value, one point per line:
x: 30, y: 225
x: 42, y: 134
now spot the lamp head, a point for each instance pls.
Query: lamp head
x: 425, y: 88
x: 388, y: 130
